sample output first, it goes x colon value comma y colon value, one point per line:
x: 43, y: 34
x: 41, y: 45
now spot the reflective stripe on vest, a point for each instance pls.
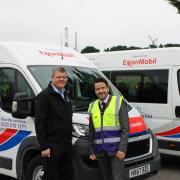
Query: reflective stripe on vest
x: 107, y: 140
x: 108, y: 128
x: 90, y: 108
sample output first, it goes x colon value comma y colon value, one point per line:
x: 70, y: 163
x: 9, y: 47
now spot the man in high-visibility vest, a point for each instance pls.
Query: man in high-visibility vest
x: 108, y: 131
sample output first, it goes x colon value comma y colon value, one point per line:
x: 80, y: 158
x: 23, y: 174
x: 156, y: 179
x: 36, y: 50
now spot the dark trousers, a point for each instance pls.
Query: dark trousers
x: 59, y: 165
x: 110, y: 167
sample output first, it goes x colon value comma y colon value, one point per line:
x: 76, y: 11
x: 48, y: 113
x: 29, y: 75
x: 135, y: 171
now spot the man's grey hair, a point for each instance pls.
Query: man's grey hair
x: 58, y: 69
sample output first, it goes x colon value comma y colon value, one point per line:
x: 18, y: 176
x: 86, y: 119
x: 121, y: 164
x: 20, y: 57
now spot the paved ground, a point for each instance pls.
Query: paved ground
x: 170, y: 170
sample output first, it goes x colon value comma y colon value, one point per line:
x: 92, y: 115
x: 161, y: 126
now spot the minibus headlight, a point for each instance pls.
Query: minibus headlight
x: 80, y: 130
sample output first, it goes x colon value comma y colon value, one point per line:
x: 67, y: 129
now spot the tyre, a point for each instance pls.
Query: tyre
x: 34, y: 169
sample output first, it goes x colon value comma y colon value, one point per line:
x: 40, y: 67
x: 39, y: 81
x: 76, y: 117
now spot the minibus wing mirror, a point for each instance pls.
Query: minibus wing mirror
x: 22, y: 106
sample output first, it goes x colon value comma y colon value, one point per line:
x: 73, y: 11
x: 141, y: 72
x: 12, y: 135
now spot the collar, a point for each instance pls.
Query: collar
x: 59, y: 91
x: 106, y: 99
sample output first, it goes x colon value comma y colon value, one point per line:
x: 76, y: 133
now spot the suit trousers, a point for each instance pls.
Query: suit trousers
x: 110, y: 167
x: 59, y: 165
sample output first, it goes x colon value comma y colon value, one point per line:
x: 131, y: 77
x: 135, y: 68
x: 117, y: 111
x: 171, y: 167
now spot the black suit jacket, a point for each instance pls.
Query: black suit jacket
x: 53, y: 118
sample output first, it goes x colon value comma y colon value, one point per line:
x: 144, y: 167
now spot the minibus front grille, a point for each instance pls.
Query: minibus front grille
x: 139, y: 147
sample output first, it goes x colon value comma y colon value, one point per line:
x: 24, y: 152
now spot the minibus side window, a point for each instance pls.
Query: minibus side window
x: 11, y: 82
x: 146, y: 86
x: 7, y: 88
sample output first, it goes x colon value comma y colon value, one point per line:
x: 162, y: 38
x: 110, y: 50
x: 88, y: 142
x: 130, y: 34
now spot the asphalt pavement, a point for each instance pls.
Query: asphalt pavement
x: 170, y: 170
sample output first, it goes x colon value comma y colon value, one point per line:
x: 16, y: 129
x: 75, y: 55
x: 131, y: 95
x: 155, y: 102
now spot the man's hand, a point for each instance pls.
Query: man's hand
x: 92, y: 157
x: 46, y: 153
x: 120, y: 155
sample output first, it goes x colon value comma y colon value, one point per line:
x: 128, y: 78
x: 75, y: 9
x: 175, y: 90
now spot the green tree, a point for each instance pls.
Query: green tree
x: 116, y: 48
x: 175, y: 3
x: 161, y: 46
x: 121, y: 48
x: 133, y: 47
x: 171, y: 45
x: 152, y: 46
x: 89, y: 49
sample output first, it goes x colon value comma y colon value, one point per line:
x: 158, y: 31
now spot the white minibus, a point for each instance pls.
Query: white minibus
x: 150, y: 80
x: 25, y: 70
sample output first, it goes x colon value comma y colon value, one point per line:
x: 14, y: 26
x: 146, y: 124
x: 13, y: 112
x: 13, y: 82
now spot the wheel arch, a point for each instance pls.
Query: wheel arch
x: 27, y: 150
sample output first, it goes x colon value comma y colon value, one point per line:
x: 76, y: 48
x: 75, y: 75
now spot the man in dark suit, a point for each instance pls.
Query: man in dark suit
x: 53, y: 123
x: 109, y: 128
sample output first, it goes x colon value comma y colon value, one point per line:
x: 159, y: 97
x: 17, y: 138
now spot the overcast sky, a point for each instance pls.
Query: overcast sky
x: 99, y: 23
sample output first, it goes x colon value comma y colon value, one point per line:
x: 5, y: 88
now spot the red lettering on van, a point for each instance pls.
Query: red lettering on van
x: 133, y: 62
x: 53, y: 54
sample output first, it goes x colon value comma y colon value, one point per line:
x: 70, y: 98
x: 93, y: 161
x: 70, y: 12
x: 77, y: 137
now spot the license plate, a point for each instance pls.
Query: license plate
x: 139, y: 171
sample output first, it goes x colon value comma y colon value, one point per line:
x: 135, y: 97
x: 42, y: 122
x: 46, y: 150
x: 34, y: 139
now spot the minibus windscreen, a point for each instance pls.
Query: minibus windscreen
x: 80, y: 87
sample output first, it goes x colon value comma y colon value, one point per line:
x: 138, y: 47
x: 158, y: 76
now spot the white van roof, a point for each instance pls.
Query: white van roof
x: 136, y: 58
x: 30, y: 53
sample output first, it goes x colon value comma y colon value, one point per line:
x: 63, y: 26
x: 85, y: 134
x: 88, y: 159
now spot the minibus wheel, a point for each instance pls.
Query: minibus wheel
x: 34, y: 169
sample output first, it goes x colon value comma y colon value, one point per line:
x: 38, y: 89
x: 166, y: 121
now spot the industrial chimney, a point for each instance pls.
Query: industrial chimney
x: 66, y: 44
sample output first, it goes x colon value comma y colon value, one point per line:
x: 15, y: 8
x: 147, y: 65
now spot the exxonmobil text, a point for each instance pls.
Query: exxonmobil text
x: 142, y: 61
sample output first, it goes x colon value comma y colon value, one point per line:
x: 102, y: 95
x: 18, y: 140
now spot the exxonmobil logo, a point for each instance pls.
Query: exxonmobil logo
x: 141, y: 61
x: 55, y: 53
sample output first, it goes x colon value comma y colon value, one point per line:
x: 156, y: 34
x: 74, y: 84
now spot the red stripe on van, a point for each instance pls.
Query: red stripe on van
x: 169, y: 132
x: 5, y: 135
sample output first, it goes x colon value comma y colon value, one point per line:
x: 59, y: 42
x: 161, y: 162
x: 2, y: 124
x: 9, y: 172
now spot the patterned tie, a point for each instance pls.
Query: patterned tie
x: 103, y: 106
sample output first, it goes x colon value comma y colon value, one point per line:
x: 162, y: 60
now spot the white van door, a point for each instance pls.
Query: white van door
x: 12, y: 130
x: 176, y: 98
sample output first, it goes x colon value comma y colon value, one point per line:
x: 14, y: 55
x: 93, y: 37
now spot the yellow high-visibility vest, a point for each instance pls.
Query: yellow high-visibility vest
x: 110, y: 117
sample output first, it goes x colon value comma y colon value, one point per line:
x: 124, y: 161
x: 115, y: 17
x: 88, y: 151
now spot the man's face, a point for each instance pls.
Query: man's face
x: 101, y: 90
x: 59, y: 80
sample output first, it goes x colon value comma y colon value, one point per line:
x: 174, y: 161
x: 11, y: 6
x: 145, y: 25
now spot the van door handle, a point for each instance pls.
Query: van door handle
x: 177, y: 111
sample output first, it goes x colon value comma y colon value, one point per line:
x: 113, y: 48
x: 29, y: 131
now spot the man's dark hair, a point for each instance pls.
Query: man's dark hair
x: 101, y: 80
